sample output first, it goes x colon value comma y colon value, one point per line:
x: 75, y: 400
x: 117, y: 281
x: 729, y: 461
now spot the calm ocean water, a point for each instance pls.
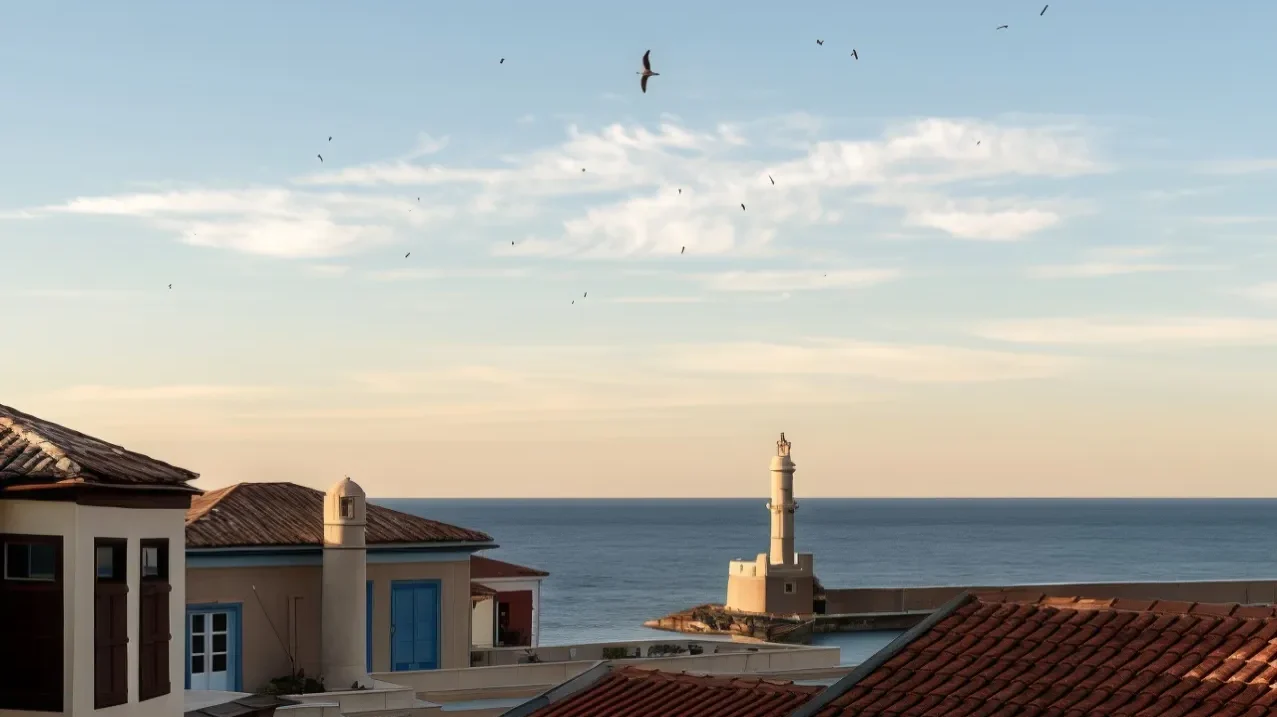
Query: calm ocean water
x: 616, y: 563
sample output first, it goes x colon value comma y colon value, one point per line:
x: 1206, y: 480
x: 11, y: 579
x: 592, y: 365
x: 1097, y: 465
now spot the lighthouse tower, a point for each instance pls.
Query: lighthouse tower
x: 781, y: 582
x: 782, y: 506
x: 344, y: 602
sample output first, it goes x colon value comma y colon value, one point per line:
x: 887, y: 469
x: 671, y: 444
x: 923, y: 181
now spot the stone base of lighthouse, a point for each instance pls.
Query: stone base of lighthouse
x: 759, y: 586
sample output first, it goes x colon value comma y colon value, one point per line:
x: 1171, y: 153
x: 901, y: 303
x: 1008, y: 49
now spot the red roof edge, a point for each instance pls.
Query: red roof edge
x: 563, y: 690
x: 485, y: 568
x: 879, y: 658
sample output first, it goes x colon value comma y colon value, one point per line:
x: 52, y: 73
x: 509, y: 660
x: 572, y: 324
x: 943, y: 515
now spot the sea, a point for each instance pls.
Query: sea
x: 614, y: 563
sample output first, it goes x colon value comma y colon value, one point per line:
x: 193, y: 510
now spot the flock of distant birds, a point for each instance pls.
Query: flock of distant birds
x: 647, y: 73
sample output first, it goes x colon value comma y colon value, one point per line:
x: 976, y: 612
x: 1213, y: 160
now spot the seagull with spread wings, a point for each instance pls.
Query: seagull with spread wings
x: 647, y: 71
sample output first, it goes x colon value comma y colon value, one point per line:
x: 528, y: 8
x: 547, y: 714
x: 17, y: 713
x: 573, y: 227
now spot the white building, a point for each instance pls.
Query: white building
x: 92, y: 586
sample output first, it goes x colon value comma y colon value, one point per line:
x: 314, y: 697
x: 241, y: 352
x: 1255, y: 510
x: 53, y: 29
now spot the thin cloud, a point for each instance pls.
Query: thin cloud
x: 425, y: 274
x: 890, y: 362
x: 328, y: 270
x: 905, y: 176
x: 1114, y: 261
x: 657, y: 300
x: 801, y: 280
x: 186, y: 392
x: 1240, y: 166
x: 1266, y: 292
x: 1159, y: 331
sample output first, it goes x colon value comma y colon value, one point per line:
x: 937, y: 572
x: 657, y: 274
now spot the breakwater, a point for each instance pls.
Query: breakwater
x: 865, y: 609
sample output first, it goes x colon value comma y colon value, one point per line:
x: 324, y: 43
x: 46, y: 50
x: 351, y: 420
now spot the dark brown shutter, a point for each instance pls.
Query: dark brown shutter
x: 31, y: 616
x: 110, y: 626
x: 153, y: 650
x: 110, y: 645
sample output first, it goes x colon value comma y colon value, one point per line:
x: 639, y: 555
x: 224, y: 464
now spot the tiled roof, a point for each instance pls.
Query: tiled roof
x: 482, y: 568
x: 256, y: 514
x: 635, y: 692
x: 1031, y: 656
x: 480, y: 591
x: 35, y: 451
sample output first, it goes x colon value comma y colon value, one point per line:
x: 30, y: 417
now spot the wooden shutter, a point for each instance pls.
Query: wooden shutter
x: 31, y: 617
x: 111, y: 630
x: 153, y: 650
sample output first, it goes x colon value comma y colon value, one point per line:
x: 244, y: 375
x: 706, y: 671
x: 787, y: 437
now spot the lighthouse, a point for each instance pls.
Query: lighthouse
x: 782, y: 506
x: 780, y: 581
x: 344, y: 602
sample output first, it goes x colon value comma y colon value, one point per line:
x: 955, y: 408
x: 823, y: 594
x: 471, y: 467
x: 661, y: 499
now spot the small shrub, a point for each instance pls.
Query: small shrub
x: 298, y: 684
x: 615, y: 653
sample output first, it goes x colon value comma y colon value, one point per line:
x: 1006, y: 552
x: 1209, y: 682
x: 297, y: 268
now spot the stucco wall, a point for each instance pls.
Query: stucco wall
x: 482, y: 630
x: 80, y: 525
x: 300, y: 629
x: 454, y: 600
x: 263, y: 656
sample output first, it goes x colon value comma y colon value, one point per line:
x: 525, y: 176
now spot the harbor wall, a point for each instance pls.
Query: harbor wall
x: 843, y: 601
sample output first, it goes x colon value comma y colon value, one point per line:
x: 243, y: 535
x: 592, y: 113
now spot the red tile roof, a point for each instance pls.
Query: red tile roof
x: 255, y: 514
x: 635, y: 692
x: 482, y: 568
x: 481, y: 592
x: 1033, y: 656
x: 36, y: 451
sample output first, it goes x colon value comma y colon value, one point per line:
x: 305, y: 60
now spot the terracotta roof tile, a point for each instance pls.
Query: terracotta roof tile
x: 635, y: 692
x: 257, y: 514
x: 1068, y: 657
x: 36, y: 451
x: 488, y: 568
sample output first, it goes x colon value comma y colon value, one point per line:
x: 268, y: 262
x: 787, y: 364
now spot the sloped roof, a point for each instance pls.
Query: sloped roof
x: 280, y: 514
x: 36, y: 451
x: 635, y: 692
x: 1031, y: 655
x: 481, y: 592
x: 482, y: 568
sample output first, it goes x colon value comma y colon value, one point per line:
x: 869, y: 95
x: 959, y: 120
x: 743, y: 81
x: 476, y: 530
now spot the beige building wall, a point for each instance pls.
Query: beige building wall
x: 79, y: 525
x: 290, y: 597
x: 454, y: 608
x: 286, y: 601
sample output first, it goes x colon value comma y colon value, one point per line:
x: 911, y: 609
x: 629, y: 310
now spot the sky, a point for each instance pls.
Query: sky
x: 1035, y: 261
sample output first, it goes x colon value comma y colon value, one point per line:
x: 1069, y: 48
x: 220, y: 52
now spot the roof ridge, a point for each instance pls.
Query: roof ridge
x: 217, y: 497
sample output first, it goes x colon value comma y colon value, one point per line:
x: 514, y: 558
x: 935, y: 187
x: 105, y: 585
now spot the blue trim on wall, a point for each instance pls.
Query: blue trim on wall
x: 368, y: 627
x: 438, y: 617
x: 234, y: 653
x: 260, y: 559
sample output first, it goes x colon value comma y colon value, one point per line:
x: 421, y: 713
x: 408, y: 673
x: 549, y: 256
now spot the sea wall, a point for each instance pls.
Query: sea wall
x: 841, y: 601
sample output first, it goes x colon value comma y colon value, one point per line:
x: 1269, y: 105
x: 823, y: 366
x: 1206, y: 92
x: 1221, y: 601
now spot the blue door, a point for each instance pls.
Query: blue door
x: 414, y: 625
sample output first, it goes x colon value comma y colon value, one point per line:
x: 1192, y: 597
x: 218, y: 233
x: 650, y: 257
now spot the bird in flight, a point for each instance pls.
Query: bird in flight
x: 321, y: 157
x: 407, y: 255
x: 680, y: 190
x: 647, y: 71
x: 820, y: 42
x: 330, y: 139
x: 1044, y: 7
x: 170, y: 286
x: 680, y: 251
x: 773, y: 181
x: 502, y: 62
x: 742, y: 206
x: 1001, y: 27
x: 854, y: 54
x: 977, y: 143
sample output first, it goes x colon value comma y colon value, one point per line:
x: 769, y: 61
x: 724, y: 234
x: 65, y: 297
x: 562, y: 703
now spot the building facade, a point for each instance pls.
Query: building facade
x: 507, y: 603
x: 91, y: 581
x: 270, y: 573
